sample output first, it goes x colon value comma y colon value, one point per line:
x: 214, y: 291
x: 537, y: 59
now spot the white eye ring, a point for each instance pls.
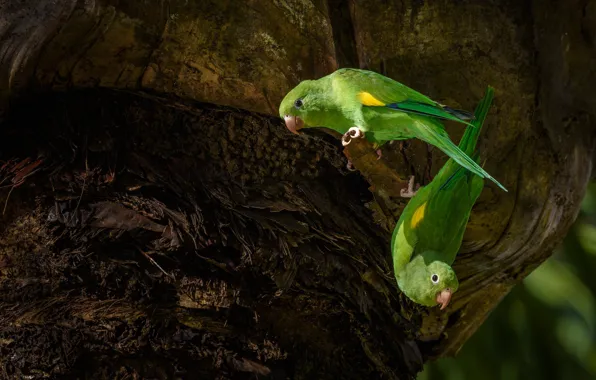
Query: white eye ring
x: 434, y: 278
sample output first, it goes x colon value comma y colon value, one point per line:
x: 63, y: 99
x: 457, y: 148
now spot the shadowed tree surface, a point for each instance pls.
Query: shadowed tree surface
x: 161, y: 222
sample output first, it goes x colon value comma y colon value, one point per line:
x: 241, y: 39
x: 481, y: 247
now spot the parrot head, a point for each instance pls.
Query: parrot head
x: 428, y: 284
x: 304, y: 106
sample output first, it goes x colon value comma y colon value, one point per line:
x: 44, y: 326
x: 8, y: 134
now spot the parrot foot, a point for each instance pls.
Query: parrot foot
x: 352, y: 133
x: 350, y: 166
x: 379, y: 154
x: 409, y: 192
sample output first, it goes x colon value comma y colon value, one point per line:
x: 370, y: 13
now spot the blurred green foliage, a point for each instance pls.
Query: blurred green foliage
x: 546, y: 327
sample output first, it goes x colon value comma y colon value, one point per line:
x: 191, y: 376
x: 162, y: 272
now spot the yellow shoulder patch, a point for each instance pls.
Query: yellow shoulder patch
x: 418, y: 215
x: 367, y: 99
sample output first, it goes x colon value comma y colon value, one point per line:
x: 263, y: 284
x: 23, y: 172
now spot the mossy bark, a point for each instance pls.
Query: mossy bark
x: 164, y: 223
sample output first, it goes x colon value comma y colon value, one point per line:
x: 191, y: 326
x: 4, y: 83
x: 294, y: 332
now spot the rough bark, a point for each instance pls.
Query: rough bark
x: 150, y: 235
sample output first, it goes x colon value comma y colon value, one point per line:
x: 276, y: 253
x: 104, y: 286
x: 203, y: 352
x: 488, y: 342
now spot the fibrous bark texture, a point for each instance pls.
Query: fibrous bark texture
x: 159, y: 221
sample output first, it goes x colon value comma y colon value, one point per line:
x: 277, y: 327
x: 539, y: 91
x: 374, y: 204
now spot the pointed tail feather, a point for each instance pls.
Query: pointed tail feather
x: 468, y: 141
x: 439, y: 138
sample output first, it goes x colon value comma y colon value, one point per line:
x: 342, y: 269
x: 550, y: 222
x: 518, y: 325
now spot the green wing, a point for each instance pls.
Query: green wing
x: 371, y: 89
x: 438, y: 214
x: 467, y: 144
x: 405, y: 234
x: 456, y: 191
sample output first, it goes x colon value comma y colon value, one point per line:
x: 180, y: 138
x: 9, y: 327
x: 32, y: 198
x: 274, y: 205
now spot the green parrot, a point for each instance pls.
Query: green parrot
x: 364, y: 104
x: 430, y: 230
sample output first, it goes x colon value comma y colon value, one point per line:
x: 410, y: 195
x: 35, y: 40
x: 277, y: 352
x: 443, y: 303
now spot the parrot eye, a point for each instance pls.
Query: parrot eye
x: 434, y: 278
x: 298, y: 103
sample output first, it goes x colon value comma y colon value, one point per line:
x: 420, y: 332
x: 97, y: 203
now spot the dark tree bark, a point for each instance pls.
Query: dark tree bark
x: 150, y: 230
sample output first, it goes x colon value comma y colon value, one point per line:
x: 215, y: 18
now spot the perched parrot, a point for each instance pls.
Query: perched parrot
x: 363, y: 104
x: 430, y: 230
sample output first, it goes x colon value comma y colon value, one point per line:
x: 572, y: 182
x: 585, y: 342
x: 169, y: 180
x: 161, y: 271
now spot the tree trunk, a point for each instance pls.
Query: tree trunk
x: 160, y: 222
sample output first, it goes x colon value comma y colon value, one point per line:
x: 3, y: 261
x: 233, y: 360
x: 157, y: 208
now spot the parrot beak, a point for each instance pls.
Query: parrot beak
x: 294, y: 123
x: 444, y: 297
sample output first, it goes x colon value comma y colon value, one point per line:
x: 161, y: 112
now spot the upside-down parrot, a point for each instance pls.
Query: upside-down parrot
x: 430, y: 230
x: 364, y: 104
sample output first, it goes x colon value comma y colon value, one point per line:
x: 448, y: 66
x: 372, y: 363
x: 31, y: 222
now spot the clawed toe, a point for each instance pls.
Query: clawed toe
x: 355, y: 133
x: 352, y: 133
x: 409, y: 192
